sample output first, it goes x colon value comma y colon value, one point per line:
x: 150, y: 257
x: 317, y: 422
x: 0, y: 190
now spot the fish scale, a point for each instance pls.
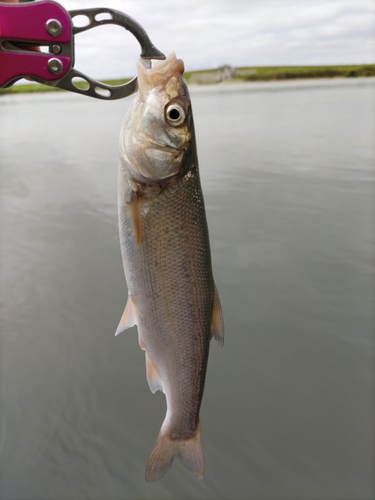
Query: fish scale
x: 167, y: 261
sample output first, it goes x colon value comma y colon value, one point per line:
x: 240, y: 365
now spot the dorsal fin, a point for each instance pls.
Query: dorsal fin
x: 128, y: 318
x: 217, y: 322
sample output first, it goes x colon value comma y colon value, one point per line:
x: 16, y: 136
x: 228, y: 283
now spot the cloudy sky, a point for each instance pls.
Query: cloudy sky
x: 207, y: 33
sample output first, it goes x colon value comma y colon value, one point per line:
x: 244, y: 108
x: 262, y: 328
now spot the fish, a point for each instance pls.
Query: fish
x: 172, y: 297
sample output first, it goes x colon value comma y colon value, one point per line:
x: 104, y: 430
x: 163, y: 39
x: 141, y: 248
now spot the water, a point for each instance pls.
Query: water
x: 288, y: 411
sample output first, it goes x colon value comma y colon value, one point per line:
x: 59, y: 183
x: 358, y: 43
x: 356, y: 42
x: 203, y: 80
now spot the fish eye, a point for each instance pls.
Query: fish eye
x: 175, y: 114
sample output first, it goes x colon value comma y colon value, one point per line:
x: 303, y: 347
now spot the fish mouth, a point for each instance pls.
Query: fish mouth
x: 154, y: 73
x: 170, y: 61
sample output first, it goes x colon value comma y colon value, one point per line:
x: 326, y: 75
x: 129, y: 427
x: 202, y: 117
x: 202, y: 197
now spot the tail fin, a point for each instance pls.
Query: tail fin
x: 188, y: 452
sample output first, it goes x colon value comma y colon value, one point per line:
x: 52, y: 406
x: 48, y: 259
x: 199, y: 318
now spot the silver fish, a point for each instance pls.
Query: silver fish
x: 166, y: 255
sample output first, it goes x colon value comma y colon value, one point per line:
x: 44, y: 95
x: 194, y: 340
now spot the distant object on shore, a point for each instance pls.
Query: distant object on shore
x: 228, y: 73
x: 221, y: 74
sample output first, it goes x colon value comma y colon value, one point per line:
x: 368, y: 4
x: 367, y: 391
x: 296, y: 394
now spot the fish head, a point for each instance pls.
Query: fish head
x: 158, y: 128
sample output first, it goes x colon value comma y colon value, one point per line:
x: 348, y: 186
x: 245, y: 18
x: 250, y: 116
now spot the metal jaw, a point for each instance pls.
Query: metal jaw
x: 45, y: 23
x: 98, y: 89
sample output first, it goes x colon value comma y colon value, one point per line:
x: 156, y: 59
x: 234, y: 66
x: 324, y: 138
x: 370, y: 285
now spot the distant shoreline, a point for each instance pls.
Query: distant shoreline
x: 241, y: 74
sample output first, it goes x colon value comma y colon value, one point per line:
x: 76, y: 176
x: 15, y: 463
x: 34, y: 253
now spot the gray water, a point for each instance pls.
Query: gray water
x: 288, y: 412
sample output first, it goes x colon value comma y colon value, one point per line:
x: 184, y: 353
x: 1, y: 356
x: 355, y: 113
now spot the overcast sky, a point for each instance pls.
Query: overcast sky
x: 207, y: 33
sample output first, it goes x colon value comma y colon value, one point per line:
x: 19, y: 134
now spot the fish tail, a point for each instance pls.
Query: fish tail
x: 188, y: 452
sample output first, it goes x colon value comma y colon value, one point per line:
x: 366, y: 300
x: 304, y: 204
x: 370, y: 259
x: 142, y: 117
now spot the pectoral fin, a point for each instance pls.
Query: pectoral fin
x: 217, y: 322
x: 128, y: 318
x: 135, y: 212
x: 153, y: 378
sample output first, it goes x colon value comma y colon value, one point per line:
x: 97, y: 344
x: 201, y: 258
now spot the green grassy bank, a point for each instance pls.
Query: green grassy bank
x: 244, y: 74
x: 269, y: 73
x: 290, y: 72
x: 38, y: 87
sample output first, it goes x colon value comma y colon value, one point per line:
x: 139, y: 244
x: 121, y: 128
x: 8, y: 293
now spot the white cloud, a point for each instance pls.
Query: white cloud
x: 206, y: 33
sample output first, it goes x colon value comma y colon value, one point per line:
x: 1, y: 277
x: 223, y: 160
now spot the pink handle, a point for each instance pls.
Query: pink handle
x: 27, y: 22
x: 17, y: 64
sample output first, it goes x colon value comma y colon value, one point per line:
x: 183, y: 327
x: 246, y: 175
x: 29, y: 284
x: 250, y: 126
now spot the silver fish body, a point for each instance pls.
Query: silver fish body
x: 166, y: 255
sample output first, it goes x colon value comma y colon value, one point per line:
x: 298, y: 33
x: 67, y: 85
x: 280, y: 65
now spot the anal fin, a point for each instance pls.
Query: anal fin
x: 153, y: 378
x: 128, y: 318
x: 217, y: 321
